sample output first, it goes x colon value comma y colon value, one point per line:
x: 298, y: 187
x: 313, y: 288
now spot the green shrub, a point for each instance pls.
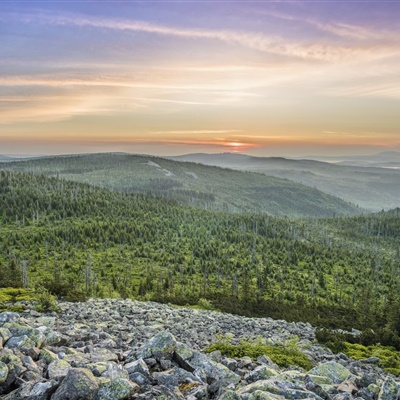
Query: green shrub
x: 389, y: 356
x: 75, y: 295
x: 46, y: 302
x: 283, y: 355
x: 205, y: 304
x: 13, y: 295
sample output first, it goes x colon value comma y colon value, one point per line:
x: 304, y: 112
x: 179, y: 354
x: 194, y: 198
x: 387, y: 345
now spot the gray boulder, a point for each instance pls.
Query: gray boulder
x: 390, y: 390
x: 79, y: 384
x: 332, y: 370
x: 58, y: 369
x: 116, y: 389
x: 160, y: 346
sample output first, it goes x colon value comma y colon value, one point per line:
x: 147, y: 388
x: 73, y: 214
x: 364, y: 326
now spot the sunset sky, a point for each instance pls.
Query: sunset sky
x: 289, y: 78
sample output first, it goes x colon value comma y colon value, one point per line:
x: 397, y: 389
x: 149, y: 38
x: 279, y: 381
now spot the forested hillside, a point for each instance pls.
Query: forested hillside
x: 199, y: 185
x: 78, y: 240
x: 371, y: 188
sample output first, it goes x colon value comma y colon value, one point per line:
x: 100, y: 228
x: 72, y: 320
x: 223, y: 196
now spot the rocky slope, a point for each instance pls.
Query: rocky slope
x: 123, y: 349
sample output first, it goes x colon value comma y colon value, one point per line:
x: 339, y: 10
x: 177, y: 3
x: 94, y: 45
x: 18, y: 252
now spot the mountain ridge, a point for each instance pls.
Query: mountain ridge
x: 205, y: 186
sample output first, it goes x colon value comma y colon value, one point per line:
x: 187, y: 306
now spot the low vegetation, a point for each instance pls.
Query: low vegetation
x: 389, y: 357
x: 283, y: 355
x: 15, y: 299
x: 383, y: 344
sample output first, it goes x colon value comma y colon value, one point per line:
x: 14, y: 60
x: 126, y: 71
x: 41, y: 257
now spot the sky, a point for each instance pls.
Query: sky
x: 287, y: 78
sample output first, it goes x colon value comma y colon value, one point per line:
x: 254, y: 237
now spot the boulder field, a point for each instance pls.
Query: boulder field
x: 122, y: 349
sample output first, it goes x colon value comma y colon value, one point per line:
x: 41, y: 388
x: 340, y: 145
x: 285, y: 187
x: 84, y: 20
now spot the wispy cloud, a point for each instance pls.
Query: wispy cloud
x: 257, y: 41
x: 337, y: 28
x: 197, y: 132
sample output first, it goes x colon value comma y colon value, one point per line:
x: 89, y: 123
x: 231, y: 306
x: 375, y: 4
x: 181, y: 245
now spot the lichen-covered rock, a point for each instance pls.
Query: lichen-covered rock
x: 79, y: 384
x: 55, y: 338
x: 36, y: 391
x: 106, y: 337
x: 390, y: 390
x: 137, y: 366
x: 278, y: 386
x: 102, y: 354
x: 260, y: 373
x: 140, y: 379
x: 8, y: 317
x: 332, y: 370
x: 117, y: 389
x: 97, y: 368
x: 35, y: 335
x: 229, y: 395
x: 160, y: 346
x: 194, y: 390
x: 265, y: 360
x: 114, y: 371
x: 259, y: 395
x: 174, y: 377
x: 22, y: 343
x: 320, y: 380
x: 47, y: 321
x: 47, y: 355
x: 58, y: 369
x: 5, y: 334
x: 213, y: 370
x: 79, y: 360
x: 3, y: 372
x: 161, y: 393
x: 15, y: 369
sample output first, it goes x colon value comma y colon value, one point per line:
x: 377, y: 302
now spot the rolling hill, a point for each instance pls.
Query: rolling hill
x: 371, y: 188
x: 198, y: 185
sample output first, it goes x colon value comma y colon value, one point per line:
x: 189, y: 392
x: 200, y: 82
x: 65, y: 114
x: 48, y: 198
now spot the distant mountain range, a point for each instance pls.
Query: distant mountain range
x: 199, y: 185
x: 371, y: 188
x: 5, y: 158
x: 386, y: 159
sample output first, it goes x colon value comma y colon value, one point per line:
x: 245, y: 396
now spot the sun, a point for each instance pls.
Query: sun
x: 235, y: 147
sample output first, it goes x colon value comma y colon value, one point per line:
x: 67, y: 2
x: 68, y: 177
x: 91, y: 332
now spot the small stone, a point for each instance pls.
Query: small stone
x: 47, y: 355
x: 151, y: 362
x: 137, y: 366
x: 230, y: 363
x: 140, y: 379
x: 245, y: 361
x: 165, y: 364
x: 260, y: 373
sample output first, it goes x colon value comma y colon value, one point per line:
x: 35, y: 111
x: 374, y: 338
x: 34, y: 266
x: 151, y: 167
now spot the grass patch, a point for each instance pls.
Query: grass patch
x: 389, y: 356
x: 283, y: 355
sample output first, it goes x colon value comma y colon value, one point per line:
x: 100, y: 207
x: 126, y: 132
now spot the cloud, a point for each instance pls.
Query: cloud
x: 253, y: 40
x: 341, y: 29
x: 197, y: 132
